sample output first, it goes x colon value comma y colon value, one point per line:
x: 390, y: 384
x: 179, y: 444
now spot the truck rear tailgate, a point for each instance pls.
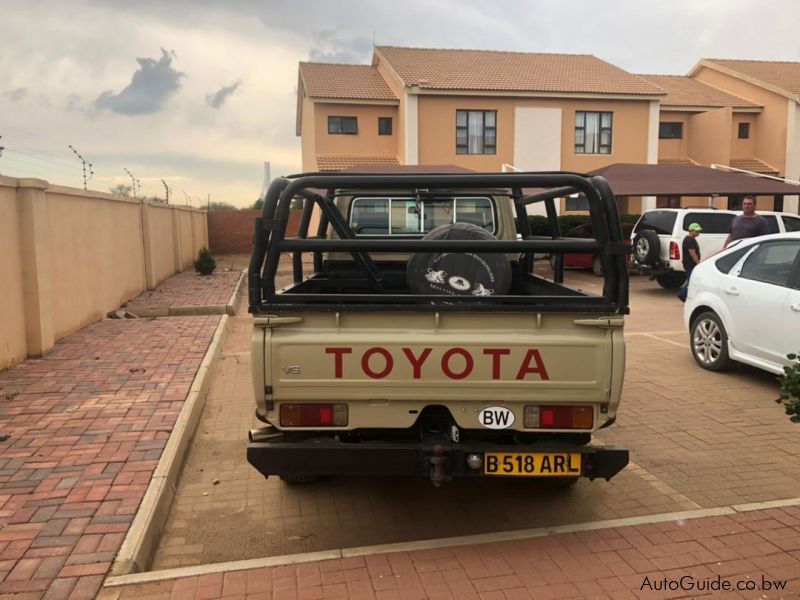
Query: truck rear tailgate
x: 387, y: 367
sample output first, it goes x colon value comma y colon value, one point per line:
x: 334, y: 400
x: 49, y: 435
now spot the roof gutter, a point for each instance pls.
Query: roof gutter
x: 754, y: 174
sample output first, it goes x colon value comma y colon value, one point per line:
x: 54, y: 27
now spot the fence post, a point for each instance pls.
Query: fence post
x: 147, y: 242
x: 35, y: 253
x: 176, y: 239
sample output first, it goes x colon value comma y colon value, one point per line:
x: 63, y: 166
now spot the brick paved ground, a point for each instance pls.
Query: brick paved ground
x: 606, y: 563
x: 691, y: 435
x: 87, y: 425
x: 189, y: 289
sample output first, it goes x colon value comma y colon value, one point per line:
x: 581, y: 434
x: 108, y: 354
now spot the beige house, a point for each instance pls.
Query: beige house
x: 775, y: 129
x: 487, y: 110
x: 476, y: 109
x: 752, y: 104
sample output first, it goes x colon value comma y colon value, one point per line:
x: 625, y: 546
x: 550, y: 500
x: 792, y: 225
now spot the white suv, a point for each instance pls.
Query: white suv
x: 658, y: 238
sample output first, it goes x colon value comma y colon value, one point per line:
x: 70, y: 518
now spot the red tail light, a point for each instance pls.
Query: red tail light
x: 674, y: 251
x: 313, y: 415
x: 558, y: 417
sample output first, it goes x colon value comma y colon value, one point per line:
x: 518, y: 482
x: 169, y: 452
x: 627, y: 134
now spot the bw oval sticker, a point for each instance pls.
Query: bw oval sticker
x: 496, y: 417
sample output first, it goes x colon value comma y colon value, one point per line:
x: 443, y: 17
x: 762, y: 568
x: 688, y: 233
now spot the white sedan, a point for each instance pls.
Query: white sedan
x: 743, y: 304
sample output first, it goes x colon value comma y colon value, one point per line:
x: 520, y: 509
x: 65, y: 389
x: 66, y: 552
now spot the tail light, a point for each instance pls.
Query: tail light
x: 558, y: 417
x: 674, y: 251
x: 313, y: 415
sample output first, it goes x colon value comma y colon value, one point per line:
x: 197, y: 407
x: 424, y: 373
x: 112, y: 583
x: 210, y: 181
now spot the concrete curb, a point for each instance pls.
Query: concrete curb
x: 466, y: 540
x: 192, y: 310
x: 142, y: 537
x: 230, y: 308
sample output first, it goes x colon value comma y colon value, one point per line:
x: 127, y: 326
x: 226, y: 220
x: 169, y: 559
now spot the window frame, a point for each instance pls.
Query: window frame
x: 341, y: 125
x: 662, y: 133
x: 384, y: 120
x: 484, y: 127
x: 422, y: 231
x: 600, y: 131
x: 744, y: 126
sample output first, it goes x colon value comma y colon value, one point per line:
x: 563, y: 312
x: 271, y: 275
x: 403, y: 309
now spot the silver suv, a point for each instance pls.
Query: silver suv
x: 658, y: 238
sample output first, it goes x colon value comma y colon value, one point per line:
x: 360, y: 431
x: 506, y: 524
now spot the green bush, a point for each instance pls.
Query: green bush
x: 205, y: 263
x: 790, y: 389
x: 541, y: 226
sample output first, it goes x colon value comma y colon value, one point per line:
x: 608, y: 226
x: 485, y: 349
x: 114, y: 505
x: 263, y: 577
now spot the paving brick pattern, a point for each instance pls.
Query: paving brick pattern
x: 603, y: 564
x: 86, y: 426
x: 189, y: 289
x: 691, y: 435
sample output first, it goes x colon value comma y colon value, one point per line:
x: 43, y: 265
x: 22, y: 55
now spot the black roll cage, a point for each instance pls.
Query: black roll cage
x: 270, y: 241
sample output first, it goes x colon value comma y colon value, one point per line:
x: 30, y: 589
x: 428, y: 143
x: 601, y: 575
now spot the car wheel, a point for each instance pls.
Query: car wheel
x: 299, y: 479
x: 709, y: 342
x: 597, y: 266
x: 646, y: 247
x: 672, y: 280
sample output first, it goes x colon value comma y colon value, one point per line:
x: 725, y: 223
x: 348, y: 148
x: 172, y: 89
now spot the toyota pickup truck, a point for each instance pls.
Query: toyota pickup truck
x: 421, y: 336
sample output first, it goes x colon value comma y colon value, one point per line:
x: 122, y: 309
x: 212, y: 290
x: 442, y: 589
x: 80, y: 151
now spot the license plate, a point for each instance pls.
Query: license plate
x: 532, y: 464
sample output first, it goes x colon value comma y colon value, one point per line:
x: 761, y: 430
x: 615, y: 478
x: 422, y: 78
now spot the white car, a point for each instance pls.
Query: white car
x: 743, y: 304
x: 658, y: 237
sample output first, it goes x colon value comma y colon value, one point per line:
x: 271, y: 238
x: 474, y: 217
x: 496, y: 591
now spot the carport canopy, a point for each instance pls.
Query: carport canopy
x: 687, y: 180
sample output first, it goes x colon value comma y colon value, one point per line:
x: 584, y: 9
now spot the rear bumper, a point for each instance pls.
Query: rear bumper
x: 438, y: 459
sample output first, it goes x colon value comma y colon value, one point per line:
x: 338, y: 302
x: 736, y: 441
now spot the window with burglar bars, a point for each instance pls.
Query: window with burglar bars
x: 343, y: 125
x: 593, y: 132
x: 476, y: 132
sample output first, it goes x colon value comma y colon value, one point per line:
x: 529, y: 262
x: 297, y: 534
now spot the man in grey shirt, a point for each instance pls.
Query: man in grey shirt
x: 748, y: 224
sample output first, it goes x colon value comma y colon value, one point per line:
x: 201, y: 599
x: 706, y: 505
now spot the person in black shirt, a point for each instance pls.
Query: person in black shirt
x: 690, y: 257
x: 691, y: 249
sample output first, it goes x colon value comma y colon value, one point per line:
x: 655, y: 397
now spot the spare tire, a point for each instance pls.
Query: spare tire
x: 646, y: 247
x: 459, y: 273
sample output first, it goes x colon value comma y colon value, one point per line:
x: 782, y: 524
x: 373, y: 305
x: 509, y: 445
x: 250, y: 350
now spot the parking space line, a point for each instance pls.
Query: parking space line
x: 766, y: 505
x: 647, y: 333
x: 660, y: 339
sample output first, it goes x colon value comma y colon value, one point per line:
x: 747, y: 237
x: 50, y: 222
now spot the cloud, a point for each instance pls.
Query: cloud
x: 218, y: 98
x: 329, y: 47
x: 150, y: 87
x: 16, y: 95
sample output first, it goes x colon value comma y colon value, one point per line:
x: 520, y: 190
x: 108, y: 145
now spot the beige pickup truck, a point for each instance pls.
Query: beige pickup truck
x: 424, y: 336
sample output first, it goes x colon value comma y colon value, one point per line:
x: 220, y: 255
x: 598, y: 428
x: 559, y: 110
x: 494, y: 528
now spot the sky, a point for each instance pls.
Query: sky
x: 201, y: 93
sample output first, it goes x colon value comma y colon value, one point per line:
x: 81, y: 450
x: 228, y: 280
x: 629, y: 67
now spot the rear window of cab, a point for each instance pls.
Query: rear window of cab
x: 709, y: 221
x: 660, y: 221
x: 409, y: 216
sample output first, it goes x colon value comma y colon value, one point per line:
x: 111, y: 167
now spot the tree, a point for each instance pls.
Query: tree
x: 220, y: 206
x: 258, y: 204
x: 121, y: 190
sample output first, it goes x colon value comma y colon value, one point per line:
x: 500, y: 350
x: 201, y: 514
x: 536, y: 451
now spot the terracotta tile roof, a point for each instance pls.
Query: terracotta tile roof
x: 685, y: 91
x: 488, y: 70
x: 337, y: 162
x: 780, y: 74
x: 753, y: 164
x: 350, y: 82
x: 684, y: 160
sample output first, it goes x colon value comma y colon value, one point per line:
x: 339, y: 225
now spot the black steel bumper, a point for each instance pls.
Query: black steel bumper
x: 441, y: 460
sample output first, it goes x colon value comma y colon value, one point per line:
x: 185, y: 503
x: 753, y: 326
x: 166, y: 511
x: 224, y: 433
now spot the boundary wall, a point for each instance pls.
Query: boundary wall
x: 69, y: 256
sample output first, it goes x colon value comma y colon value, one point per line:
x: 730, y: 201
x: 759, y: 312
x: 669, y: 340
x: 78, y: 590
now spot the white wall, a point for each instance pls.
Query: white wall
x: 537, y: 143
x: 792, y: 169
